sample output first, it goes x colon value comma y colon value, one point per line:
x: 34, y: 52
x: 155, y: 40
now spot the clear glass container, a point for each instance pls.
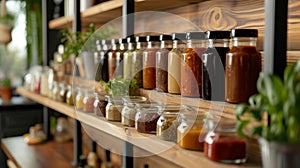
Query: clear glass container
x: 100, y: 104
x: 79, y: 98
x: 114, y: 108
x: 88, y: 101
x: 119, y: 57
x: 112, y: 59
x: 127, y: 59
x: 137, y: 60
x: 146, y: 118
x: 129, y: 110
x: 55, y: 91
x: 167, y: 126
x: 62, y: 133
x: 62, y: 92
x: 224, y: 145
x: 70, y: 95
x: 102, y: 73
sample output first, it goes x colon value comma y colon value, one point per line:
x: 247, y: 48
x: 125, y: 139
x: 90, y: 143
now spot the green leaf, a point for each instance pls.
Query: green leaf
x: 241, y: 125
x: 240, y: 110
x: 256, y: 131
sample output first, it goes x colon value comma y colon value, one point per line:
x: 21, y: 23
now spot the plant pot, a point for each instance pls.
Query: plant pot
x: 5, y: 34
x: 279, y: 155
x: 6, y: 93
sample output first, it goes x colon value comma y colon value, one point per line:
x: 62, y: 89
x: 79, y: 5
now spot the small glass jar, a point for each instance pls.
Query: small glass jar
x: 127, y: 59
x: 137, y: 60
x: 129, y: 111
x: 62, y: 92
x: 88, y: 101
x: 224, y: 145
x: 70, y: 96
x: 146, y: 118
x: 79, y: 99
x: 54, y: 91
x: 100, y: 104
x: 190, y: 134
x: 113, y: 108
x: 167, y: 124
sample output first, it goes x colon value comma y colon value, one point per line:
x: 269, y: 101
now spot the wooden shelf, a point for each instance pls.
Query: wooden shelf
x: 175, y: 154
x: 107, y: 11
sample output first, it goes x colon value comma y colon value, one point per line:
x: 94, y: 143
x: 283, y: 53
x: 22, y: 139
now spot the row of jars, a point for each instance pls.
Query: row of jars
x: 194, y: 64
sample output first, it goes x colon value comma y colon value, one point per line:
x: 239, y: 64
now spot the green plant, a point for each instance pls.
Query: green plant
x: 5, y: 82
x: 280, y: 100
x: 8, y: 19
x: 120, y: 86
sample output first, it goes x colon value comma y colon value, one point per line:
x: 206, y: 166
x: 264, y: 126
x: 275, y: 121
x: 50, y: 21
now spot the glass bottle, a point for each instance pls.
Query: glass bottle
x: 88, y: 101
x: 113, y: 108
x: 224, y: 145
x: 213, y: 74
x: 174, y: 62
x: 191, y: 67
x: 99, y: 104
x: 112, y: 59
x: 149, y: 70
x: 62, y: 92
x: 129, y: 111
x: 137, y: 60
x: 70, y: 95
x: 103, y: 65
x: 55, y: 91
x: 127, y: 58
x: 243, y: 65
x: 119, y: 57
x: 97, y: 60
x: 79, y: 99
x: 162, y: 63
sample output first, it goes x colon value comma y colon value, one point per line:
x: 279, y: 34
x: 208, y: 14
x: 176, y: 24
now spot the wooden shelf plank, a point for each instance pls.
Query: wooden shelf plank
x: 146, y: 142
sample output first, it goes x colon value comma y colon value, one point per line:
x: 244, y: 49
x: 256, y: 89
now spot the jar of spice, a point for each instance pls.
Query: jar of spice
x: 102, y: 68
x: 213, y: 76
x: 55, y: 91
x: 112, y: 56
x: 127, y: 59
x: 190, y: 134
x: 99, y: 104
x: 146, y: 118
x: 174, y: 62
x: 129, y: 111
x: 70, y: 95
x: 113, y: 108
x: 79, y: 99
x: 224, y: 145
x: 88, y: 101
x: 167, y: 126
x: 137, y: 60
x: 191, y: 68
x: 62, y: 92
x: 149, y: 70
x: 119, y: 57
x: 243, y: 65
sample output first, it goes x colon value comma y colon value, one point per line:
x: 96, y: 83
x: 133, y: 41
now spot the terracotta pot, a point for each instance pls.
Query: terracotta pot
x: 5, y: 34
x: 6, y: 93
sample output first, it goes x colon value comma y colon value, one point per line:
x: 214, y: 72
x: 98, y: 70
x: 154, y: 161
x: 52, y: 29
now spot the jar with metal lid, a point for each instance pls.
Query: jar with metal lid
x: 70, y: 95
x: 88, y: 101
x: 129, y: 110
x: 190, y: 134
x: 119, y: 57
x: 100, y: 104
x: 191, y: 68
x: 162, y: 63
x: 127, y: 59
x: 79, y: 99
x: 112, y: 62
x: 224, y: 145
x: 113, y: 108
x: 62, y: 92
x: 243, y: 65
x: 213, y: 74
x: 146, y: 118
x: 137, y: 60
x: 149, y: 60
x: 174, y: 62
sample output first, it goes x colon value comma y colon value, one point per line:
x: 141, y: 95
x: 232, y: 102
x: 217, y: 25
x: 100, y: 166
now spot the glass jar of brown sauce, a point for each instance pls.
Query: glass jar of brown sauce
x: 213, y: 76
x: 243, y: 65
x: 191, y: 67
x: 137, y: 60
x: 149, y: 72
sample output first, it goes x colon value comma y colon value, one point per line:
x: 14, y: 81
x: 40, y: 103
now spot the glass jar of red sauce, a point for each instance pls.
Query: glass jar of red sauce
x: 162, y: 63
x: 137, y: 60
x: 243, y: 65
x: 174, y: 62
x: 213, y: 76
x: 112, y: 59
x: 149, y: 70
x: 191, y: 67
x: 224, y: 145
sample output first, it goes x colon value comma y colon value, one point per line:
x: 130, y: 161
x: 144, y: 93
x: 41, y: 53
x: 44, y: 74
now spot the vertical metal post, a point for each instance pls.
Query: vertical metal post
x: 46, y: 122
x: 45, y: 32
x: 275, y: 36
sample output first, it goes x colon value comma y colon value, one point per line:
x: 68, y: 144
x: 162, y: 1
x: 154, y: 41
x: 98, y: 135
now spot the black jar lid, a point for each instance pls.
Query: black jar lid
x: 244, y: 33
x: 196, y: 36
x: 164, y: 37
x: 153, y: 38
x: 179, y: 36
x: 218, y: 34
x: 122, y: 40
x: 140, y: 39
x: 130, y: 39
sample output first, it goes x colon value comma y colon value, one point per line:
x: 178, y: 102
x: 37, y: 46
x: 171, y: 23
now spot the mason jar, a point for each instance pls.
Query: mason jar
x: 113, y: 108
x: 79, y: 99
x: 129, y: 111
x: 146, y: 118
x: 88, y: 101
x: 100, y: 104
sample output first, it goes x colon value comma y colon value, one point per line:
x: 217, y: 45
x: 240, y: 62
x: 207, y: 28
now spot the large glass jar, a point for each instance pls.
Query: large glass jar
x: 162, y: 63
x: 62, y: 92
x: 137, y: 60
x: 100, y: 104
x: 79, y: 99
x: 129, y: 111
x: 88, y: 101
x: 149, y: 72
x: 114, y: 108
x: 213, y: 76
x: 174, y: 62
x: 127, y: 59
x: 190, y: 134
x: 70, y: 95
x: 224, y: 145
x: 243, y: 65
x: 112, y: 59
x: 191, y: 68
x: 119, y: 57
x: 146, y: 118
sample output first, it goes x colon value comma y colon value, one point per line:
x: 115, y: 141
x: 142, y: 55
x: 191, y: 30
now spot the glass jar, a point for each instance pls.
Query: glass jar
x: 88, y: 101
x: 79, y: 99
x: 112, y: 59
x: 55, y: 91
x: 137, y: 60
x: 102, y: 73
x: 62, y: 92
x: 119, y: 57
x: 190, y: 134
x: 167, y: 124
x: 146, y: 118
x: 129, y: 111
x: 70, y: 95
x: 191, y: 68
x: 113, y: 108
x: 127, y: 59
x: 243, y: 65
x: 99, y: 104
x: 224, y: 145
x: 44, y: 82
x: 162, y: 63
x: 213, y: 74
x: 149, y: 72
x: 174, y: 62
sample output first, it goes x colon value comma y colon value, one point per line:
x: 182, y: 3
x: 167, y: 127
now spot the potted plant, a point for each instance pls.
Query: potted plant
x: 5, y: 89
x: 7, y: 21
x: 279, y: 136
x: 119, y: 86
